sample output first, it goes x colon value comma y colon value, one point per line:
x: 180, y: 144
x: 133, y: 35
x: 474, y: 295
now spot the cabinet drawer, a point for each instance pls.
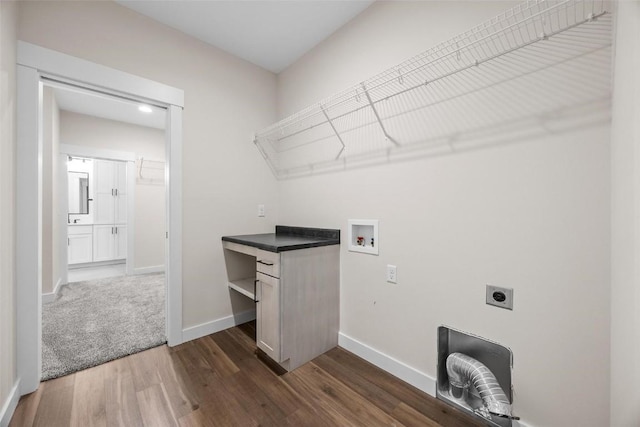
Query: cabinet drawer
x: 268, y: 263
x: 80, y: 229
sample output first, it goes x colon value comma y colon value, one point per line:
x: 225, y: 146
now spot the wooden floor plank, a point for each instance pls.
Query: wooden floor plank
x: 25, y: 412
x: 435, y: 409
x: 334, y: 395
x: 121, y: 401
x: 89, y: 409
x: 217, y: 380
x: 56, y: 403
x: 218, y: 360
x: 372, y: 392
x: 287, y: 399
x: 254, y: 400
x: 176, y: 384
x: 412, y: 418
x: 154, y: 408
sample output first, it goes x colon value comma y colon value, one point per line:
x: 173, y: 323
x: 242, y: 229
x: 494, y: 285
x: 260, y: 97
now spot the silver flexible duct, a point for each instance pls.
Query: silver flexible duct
x: 464, y: 370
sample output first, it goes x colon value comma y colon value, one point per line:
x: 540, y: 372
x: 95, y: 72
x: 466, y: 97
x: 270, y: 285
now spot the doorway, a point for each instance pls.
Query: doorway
x: 106, y: 298
x: 37, y: 65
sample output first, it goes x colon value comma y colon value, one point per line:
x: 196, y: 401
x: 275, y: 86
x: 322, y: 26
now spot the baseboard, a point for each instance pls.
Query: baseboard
x: 48, y: 297
x: 9, y: 406
x: 147, y: 270
x: 387, y: 363
x: 217, y: 325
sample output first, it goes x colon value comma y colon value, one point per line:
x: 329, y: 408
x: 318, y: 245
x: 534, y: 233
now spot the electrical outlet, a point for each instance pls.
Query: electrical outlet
x: 500, y: 297
x: 392, y: 274
x: 260, y: 210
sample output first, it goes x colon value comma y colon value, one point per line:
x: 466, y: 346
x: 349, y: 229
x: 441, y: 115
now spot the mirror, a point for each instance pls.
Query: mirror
x: 78, y: 193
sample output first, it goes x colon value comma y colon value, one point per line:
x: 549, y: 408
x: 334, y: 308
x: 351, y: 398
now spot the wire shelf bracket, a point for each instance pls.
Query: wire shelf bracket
x: 413, y: 102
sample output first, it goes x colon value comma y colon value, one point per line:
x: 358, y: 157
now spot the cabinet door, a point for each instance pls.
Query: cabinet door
x: 120, y: 202
x: 103, y: 242
x: 104, y: 205
x: 80, y: 248
x: 120, y: 209
x: 268, y: 316
x: 104, y: 199
x: 120, y: 242
x: 120, y: 183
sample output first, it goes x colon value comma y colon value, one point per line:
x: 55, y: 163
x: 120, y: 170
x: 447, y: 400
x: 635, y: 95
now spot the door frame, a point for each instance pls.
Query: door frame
x: 35, y: 64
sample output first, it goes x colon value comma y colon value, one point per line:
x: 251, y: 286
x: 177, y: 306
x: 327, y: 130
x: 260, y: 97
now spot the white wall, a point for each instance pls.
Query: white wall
x: 226, y: 100
x: 532, y: 214
x: 8, y: 18
x: 625, y: 251
x: 89, y: 131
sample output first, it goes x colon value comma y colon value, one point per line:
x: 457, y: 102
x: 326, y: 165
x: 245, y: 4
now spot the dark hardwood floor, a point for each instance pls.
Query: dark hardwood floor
x: 217, y: 380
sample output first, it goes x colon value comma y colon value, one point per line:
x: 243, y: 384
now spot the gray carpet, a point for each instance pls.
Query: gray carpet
x: 95, y: 321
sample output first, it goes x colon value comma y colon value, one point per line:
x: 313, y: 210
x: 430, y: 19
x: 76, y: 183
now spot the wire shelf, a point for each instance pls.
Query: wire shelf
x: 150, y: 172
x: 474, y: 80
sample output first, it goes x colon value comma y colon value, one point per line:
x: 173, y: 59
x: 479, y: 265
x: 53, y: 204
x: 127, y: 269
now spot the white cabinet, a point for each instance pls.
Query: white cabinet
x: 110, y: 198
x: 120, y: 242
x: 109, y: 242
x: 80, y: 244
x: 110, y: 219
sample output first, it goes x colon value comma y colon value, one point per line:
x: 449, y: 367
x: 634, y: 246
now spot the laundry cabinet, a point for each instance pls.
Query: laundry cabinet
x: 293, y: 276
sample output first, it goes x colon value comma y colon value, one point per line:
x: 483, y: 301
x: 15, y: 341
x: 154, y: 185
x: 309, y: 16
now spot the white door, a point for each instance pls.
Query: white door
x: 104, y: 199
x: 103, y: 242
x: 120, y: 177
x: 80, y: 248
x: 268, y: 316
x: 120, y: 190
x: 120, y: 242
x: 120, y: 209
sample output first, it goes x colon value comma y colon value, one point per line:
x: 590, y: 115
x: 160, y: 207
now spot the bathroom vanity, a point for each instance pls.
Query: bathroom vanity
x: 293, y: 276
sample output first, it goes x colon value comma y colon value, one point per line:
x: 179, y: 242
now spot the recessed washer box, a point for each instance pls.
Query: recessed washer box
x: 363, y: 236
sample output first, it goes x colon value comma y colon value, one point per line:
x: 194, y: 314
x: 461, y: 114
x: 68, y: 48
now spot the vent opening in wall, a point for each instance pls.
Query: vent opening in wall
x: 363, y: 236
x: 474, y: 374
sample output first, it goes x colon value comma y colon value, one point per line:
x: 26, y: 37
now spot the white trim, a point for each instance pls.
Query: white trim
x: 95, y: 76
x: 387, y: 363
x: 147, y: 270
x: 63, y: 218
x: 97, y: 153
x: 10, y: 405
x: 208, y: 328
x: 131, y: 217
x: 29, y: 229
x: 52, y: 295
x: 34, y: 63
x: 173, y: 247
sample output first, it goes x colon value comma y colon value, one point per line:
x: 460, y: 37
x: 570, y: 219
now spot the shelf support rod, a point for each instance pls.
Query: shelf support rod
x: 375, y: 112
x: 334, y: 131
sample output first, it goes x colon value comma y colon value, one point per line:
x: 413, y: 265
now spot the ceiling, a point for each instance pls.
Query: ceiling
x: 271, y: 34
x: 107, y: 107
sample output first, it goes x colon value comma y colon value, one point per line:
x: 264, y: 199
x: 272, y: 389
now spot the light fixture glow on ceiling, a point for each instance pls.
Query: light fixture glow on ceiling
x: 145, y: 108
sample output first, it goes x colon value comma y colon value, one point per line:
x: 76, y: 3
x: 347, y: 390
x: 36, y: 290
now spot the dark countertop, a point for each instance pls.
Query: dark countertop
x: 288, y: 238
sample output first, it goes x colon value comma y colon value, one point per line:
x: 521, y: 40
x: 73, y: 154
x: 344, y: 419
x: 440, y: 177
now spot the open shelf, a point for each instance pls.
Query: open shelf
x: 246, y: 287
x: 477, y: 80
